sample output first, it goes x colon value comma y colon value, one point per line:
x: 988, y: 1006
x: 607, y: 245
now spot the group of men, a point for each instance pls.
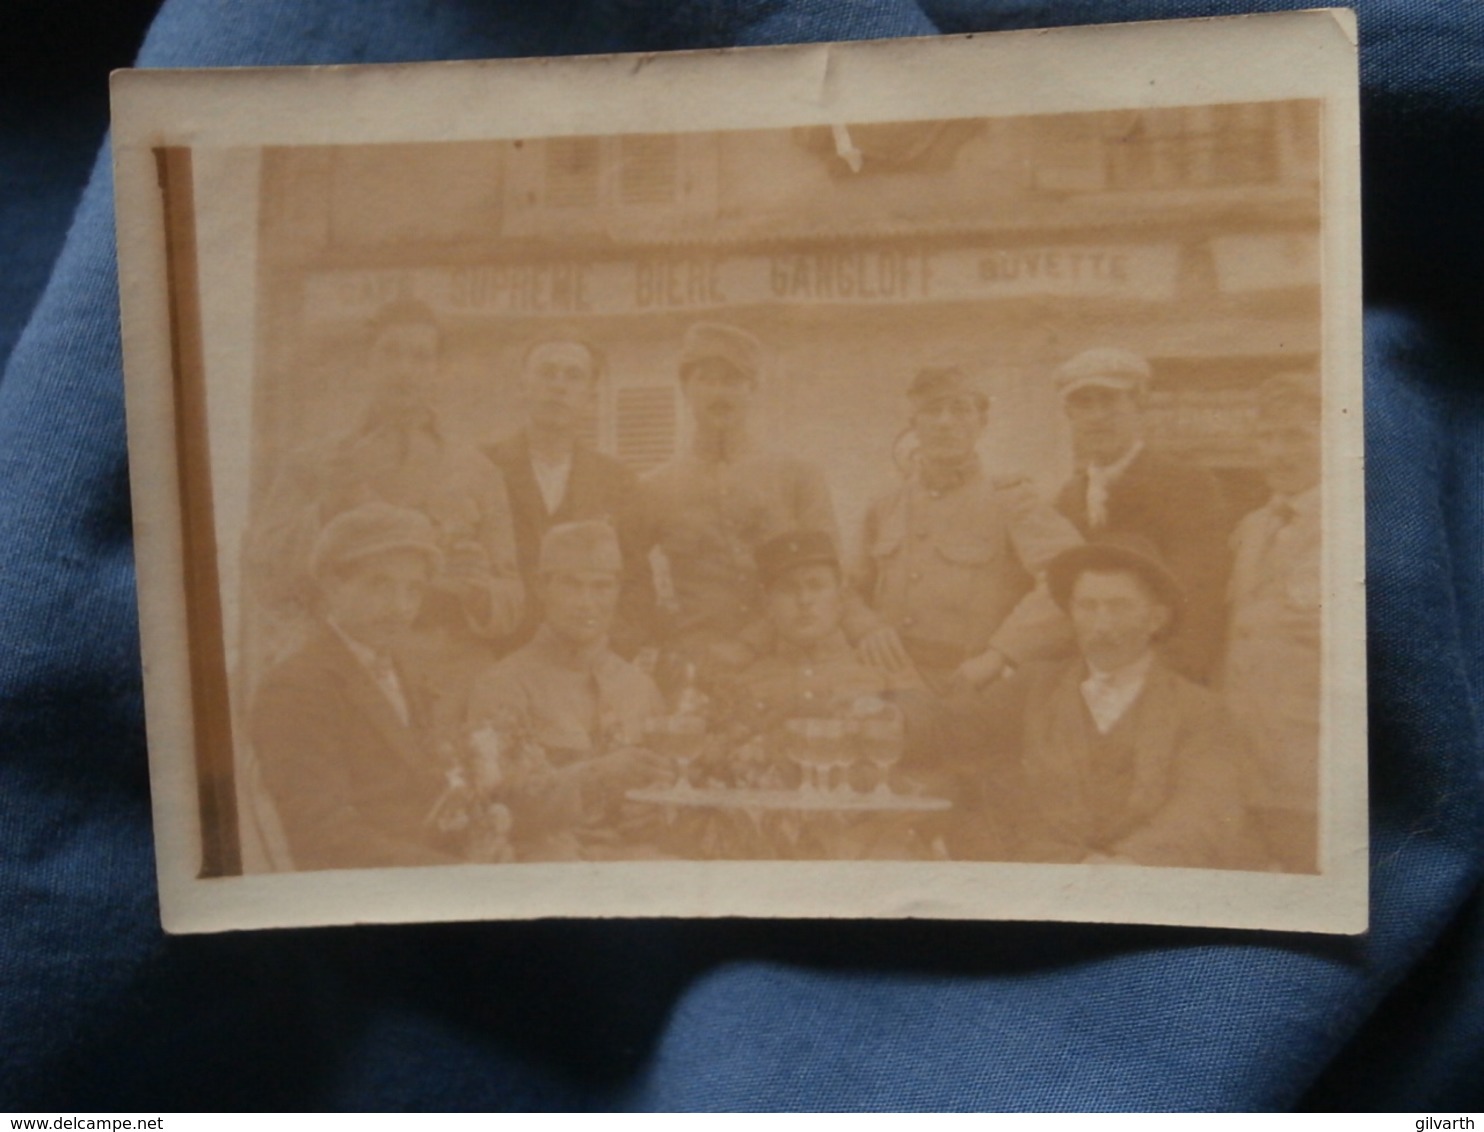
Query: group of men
x: 1118, y: 674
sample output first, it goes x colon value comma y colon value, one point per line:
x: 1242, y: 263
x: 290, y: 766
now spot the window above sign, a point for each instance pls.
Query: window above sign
x: 619, y: 185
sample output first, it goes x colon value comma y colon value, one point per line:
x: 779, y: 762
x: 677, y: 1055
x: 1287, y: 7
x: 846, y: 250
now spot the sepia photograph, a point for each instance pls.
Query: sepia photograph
x: 715, y: 484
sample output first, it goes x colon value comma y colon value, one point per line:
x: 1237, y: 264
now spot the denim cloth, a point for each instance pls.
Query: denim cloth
x: 98, y: 1009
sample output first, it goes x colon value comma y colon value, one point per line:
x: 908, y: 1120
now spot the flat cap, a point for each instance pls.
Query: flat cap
x: 587, y: 545
x: 776, y: 557
x: 373, y: 528
x: 936, y: 383
x: 1117, y: 550
x: 705, y: 341
x: 1105, y: 366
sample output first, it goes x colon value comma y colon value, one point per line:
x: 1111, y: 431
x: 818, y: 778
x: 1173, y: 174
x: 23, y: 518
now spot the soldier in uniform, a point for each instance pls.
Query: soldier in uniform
x: 396, y: 453
x: 1123, y: 485
x: 567, y: 690
x: 553, y: 477
x: 811, y: 671
x: 1271, y: 676
x: 709, y: 509
x: 952, y: 560
x: 811, y: 668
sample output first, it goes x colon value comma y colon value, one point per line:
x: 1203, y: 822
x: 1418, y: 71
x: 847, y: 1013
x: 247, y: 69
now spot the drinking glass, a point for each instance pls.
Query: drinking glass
x: 882, y: 741
x: 678, y: 737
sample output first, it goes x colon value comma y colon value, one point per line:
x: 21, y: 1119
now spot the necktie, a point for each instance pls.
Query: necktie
x: 391, y: 687
x: 1097, y: 496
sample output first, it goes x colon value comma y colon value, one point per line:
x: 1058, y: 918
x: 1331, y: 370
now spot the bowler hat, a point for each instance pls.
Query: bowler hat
x: 1117, y: 550
x: 705, y: 341
x: 586, y: 545
x: 373, y: 528
x: 776, y: 557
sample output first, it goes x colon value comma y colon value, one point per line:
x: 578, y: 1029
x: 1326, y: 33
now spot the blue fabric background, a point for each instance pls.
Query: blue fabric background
x: 98, y: 1009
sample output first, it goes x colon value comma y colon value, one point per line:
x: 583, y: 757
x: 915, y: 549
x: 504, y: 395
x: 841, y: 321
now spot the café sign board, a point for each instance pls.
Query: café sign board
x: 862, y: 275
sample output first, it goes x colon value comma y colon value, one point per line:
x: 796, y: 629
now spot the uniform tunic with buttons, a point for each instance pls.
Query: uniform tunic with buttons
x: 954, y: 565
x: 791, y: 684
x: 577, y: 703
x: 709, y: 511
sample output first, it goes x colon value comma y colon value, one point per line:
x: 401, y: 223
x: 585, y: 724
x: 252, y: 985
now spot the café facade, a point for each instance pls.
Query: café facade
x: 856, y: 253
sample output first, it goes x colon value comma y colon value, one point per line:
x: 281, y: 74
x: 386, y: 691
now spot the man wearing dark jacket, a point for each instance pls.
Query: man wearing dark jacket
x: 336, y: 726
x: 552, y: 477
x: 1122, y: 485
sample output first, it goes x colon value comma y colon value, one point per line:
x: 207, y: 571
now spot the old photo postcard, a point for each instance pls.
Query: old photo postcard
x: 892, y: 479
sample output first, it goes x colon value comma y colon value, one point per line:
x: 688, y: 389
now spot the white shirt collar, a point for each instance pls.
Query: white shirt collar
x: 369, y: 658
x: 1109, y: 695
x: 1110, y: 472
x: 381, y: 670
x: 551, y: 479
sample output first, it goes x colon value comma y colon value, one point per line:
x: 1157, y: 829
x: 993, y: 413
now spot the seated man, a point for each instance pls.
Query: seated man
x: 336, y: 726
x: 1124, y: 760
x: 811, y: 670
x: 571, y: 694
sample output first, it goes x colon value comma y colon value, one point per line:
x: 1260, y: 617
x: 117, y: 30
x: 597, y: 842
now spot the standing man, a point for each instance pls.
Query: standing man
x: 1124, y: 760
x: 337, y: 727
x: 953, y: 558
x: 397, y: 453
x: 709, y: 509
x: 1272, y: 671
x: 554, y: 478
x: 581, y: 702
x: 1121, y: 485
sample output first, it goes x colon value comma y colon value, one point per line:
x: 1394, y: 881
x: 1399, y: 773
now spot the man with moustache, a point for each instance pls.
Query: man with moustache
x: 953, y: 558
x: 711, y: 508
x: 1124, y: 761
x: 552, y: 477
x: 1122, y: 484
x: 1271, y: 675
x: 337, y: 727
x: 396, y: 453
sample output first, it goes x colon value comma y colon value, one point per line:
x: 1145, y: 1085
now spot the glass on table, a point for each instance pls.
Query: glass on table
x: 818, y: 746
x: 677, y: 737
x: 883, y: 740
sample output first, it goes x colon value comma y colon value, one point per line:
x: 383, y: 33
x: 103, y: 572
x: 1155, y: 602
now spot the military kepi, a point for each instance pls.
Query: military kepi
x: 777, y: 556
x: 706, y: 341
x: 579, y: 547
x: 937, y: 383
